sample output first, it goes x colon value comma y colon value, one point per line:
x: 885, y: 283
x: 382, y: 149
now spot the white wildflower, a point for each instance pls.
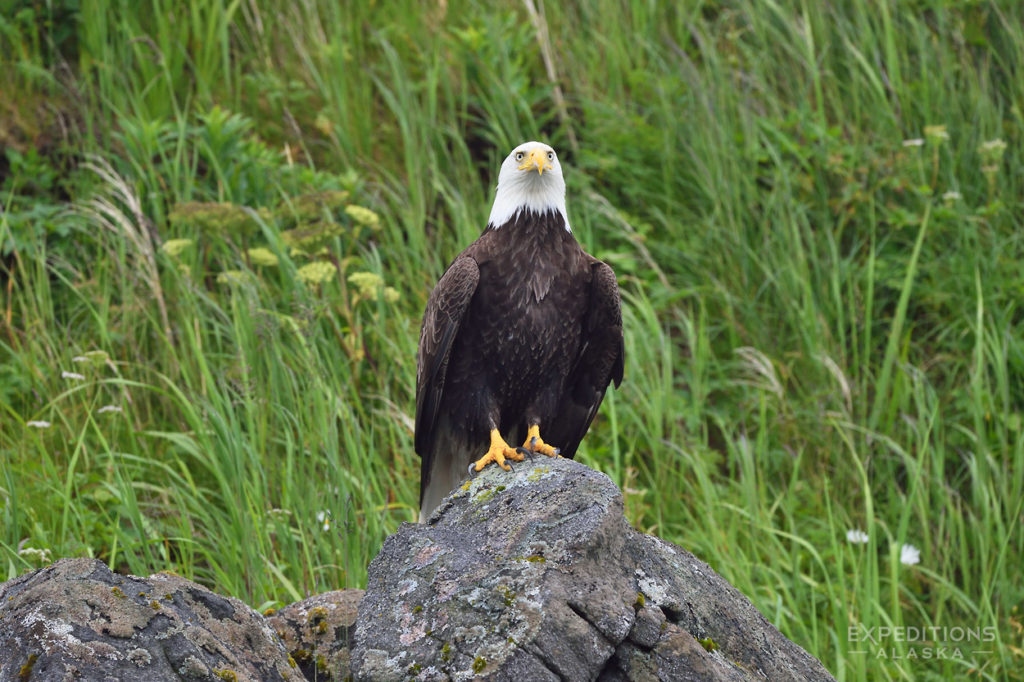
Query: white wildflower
x: 913, y: 142
x: 38, y: 424
x: 72, y: 375
x: 856, y: 536
x: 951, y: 196
x: 992, y: 149
x: 40, y: 556
x: 109, y: 408
x: 279, y: 514
x: 910, y: 555
x: 324, y: 518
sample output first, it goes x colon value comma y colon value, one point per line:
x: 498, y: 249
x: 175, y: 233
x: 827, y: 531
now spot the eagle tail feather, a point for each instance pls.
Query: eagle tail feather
x: 444, y: 470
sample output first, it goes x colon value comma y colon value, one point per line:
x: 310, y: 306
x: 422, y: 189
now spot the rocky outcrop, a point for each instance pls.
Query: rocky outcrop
x: 526, y: 575
x: 76, y: 620
x: 535, y: 574
x: 317, y: 633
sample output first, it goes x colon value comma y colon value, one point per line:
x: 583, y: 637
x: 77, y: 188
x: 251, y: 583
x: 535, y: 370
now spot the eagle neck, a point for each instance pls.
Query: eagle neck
x: 536, y: 228
x: 521, y: 198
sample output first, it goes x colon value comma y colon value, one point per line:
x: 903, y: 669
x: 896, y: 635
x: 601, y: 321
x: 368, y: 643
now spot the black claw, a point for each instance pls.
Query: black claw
x: 526, y: 453
x: 533, y: 441
x: 558, y: 452
x: 471, y: 467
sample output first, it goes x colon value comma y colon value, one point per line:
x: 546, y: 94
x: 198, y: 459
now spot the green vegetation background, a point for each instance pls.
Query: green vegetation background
x: 221, y: 220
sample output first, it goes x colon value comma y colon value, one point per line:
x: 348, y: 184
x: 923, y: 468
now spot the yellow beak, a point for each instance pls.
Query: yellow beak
x: 538, y: 159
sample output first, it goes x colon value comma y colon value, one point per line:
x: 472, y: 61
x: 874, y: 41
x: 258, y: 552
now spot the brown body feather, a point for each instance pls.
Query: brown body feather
x: 523, y: 328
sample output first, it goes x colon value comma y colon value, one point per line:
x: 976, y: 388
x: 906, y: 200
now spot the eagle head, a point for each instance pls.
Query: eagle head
x: 530, y: 180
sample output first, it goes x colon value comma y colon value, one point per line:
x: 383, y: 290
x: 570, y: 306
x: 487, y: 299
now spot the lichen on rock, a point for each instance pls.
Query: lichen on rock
x: 77, y: 619
x: 317, y: 632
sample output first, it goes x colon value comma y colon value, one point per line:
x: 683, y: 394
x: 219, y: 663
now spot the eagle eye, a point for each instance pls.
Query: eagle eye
x: 551, y: 156
x: 519, y: 156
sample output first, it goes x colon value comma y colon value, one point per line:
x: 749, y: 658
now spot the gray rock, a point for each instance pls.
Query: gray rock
x: 535, y: 574
x: 75, y: 619
x: 531, y: 575
x: 317, y: 633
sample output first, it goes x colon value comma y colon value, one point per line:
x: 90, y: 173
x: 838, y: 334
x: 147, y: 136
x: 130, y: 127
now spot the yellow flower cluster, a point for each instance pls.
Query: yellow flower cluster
x: 96, y: 358
x: 234, y: 277
x: 936, y: 134
x: 262, y: 256
x: 371, y: 285
x: 367, y: 283
x: 363, y: 216
x: 316, y: 272
x: 174, y: 247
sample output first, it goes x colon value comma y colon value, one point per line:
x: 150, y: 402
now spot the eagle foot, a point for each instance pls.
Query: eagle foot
x: 534, y: 443
x: 497, y: 453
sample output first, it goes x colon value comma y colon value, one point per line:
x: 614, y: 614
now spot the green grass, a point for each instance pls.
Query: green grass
x: 823, y: 317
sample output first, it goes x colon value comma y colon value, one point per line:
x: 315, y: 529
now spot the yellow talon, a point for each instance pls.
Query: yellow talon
x: 534, y: 443
x: 497, y: 453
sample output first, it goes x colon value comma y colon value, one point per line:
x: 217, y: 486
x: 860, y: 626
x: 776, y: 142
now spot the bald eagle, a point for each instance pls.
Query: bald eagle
x: 522, y: 333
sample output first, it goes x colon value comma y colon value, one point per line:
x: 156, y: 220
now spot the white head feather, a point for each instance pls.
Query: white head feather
x: 525, y: 186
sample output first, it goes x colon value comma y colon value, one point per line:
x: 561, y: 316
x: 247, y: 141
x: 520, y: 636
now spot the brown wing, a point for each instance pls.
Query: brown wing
x: 599, y: 363
x: 441, y: 321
